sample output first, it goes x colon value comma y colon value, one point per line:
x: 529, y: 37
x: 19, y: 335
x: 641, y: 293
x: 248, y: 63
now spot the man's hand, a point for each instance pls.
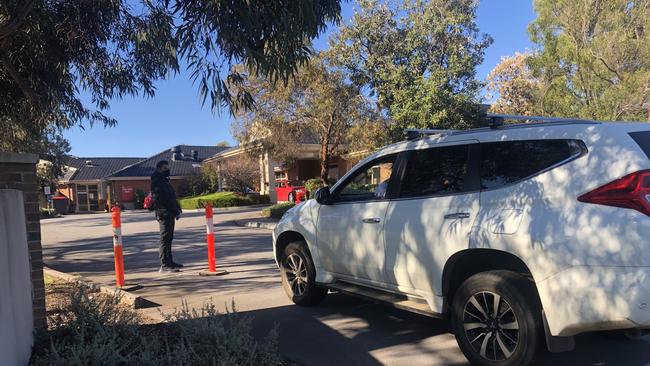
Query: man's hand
x: 178, y: 216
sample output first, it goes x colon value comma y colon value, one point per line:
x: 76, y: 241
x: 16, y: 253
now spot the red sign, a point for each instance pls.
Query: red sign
x: 127, y: 194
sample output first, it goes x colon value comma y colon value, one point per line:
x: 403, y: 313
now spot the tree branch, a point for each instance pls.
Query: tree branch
x: 29, y: 93
x: 611, y: 69
x: 11, y: 26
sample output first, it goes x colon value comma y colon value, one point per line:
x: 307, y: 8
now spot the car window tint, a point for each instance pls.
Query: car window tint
x: 507, y: 162
x: 436, y: 171
x: 643, y: 140
x: 371, y: 183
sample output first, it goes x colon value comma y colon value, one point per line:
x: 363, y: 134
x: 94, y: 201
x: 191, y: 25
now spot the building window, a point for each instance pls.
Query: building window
x: 87, y: 197
x: 333, y: 172
x: 284, y: 175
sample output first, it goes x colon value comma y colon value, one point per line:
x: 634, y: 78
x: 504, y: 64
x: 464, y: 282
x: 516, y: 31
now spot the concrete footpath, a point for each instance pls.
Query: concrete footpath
x: 343, y: 330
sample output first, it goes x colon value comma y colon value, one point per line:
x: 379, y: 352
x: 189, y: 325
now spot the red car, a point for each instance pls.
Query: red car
x: 293, y: 191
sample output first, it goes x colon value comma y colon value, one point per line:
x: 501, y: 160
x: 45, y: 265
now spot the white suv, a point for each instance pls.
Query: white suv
x: 519, y: 234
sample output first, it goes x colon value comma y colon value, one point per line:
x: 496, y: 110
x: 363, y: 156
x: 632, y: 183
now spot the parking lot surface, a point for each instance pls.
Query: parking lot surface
x: 342, y: 331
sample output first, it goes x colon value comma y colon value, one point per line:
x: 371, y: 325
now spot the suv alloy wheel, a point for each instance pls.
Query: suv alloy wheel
x: 299, y: 275
x: 496, y: 319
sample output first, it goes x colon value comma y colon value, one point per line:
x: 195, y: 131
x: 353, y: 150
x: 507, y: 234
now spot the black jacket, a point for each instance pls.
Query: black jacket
x: 164, y: 196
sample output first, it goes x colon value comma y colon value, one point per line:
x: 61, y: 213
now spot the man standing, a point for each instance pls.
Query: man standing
x: 167, y: 210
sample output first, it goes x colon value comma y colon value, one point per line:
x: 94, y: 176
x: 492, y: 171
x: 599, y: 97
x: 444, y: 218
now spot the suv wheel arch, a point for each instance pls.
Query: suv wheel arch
x: 284, y: 239
x: 466, y: 263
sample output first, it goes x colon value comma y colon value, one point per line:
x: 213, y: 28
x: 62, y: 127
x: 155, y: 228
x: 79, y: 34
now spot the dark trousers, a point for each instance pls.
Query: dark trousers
x: 166, y: 223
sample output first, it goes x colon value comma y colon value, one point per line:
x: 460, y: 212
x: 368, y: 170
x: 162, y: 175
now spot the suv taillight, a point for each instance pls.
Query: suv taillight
x: 631, y: 191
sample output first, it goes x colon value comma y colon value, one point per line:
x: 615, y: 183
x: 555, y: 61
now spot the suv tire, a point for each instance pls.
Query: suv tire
x: 299, y: 275
x: 508, y: 336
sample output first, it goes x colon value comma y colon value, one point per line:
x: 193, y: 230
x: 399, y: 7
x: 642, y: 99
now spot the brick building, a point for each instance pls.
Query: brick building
x: 85, y: 184
x: 306, y: 165
x: 92, y: 182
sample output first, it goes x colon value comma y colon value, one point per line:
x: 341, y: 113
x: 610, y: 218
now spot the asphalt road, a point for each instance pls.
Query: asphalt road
x: 341, y: 331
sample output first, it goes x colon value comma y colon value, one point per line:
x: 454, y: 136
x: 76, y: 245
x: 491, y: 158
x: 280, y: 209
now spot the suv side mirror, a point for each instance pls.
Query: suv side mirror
x: 323, y: 196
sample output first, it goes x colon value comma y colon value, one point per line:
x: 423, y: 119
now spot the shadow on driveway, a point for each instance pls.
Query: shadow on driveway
x: 347, y: 331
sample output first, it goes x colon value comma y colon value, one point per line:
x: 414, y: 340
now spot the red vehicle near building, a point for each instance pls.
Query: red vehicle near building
x: 292, y: 191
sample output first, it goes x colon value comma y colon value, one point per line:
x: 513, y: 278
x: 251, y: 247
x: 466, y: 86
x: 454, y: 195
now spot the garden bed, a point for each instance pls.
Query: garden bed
x: 86, y: 327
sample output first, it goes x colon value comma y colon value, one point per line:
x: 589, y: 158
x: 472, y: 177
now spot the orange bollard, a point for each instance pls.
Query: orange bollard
x: 117, y: 247
x: 212, y: 259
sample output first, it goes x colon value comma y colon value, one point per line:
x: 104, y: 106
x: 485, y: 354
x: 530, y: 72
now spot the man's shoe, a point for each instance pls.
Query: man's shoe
x: 176, y: 265
x: 167, y: 269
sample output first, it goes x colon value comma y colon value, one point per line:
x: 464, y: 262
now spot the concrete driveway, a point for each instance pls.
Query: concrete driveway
x: 343, y: 330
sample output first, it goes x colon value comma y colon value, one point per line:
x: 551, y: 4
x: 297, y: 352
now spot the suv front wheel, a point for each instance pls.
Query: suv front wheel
x: 496, y: 319
x: 299, y: 275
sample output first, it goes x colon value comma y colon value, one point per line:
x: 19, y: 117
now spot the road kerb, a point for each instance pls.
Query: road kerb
x: 127, y: 298
x: 256, y: 224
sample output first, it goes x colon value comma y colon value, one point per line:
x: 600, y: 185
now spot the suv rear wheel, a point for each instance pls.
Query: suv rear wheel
x: 496, y: 319
x: 299, y: 275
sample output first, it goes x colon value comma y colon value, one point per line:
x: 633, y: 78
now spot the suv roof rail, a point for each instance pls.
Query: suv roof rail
x: 497, y: 120
x: 415, y: 133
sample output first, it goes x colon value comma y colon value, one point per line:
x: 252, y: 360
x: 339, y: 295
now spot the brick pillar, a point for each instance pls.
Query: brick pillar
x: 18, y: 171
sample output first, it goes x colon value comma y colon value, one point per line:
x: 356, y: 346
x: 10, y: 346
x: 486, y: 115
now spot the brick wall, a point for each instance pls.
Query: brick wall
x: 116, y: 195
x: 18, y: 171
x: 143, y: 185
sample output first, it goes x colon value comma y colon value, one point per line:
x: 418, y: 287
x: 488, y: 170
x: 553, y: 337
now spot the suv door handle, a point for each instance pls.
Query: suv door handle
x: 371, y: 220
x: 457, y: 215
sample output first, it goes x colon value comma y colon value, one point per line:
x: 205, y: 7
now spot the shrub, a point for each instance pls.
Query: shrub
x: 139, y: 198
x: 223, y: 199
x: 47, y: 212
x: 313, y: 184
x: 277, y: 210
x: 240, y: 174
x: 260, y: 199
x: 196, y: 185
x: 95, y: 329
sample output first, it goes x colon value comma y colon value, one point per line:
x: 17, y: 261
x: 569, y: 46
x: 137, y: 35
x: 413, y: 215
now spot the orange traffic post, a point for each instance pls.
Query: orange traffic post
x: 212, y: 260
x: 117, y: 247
x: 117, y: 251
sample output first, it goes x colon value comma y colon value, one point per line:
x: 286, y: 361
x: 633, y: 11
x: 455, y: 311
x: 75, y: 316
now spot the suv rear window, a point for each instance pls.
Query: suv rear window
x: 508, y: 162
x: 643, y: 140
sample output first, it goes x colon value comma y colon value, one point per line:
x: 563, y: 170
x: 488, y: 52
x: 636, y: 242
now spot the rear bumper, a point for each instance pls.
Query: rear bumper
x: 588, y: 298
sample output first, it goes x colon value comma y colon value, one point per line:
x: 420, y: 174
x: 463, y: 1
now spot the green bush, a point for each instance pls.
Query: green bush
x: 95, y: 329
x: 223, y: 199
x: 139, y: 198
x: 277, y: 210
x: 313, y: 184
x: 260, y: 199
x: 47, y: 213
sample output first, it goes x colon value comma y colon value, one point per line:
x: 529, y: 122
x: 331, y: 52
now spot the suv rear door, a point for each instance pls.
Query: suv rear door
x: 509, y: 191
x: 432, y: 217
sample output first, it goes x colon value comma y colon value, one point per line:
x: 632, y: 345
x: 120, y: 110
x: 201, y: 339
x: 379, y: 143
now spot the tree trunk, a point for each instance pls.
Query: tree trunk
x: 325, y: 149
x: 324, y: 160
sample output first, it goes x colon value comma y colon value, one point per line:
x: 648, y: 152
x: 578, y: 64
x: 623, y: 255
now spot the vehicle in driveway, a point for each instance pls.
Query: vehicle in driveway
x: 290, y: 191
x: 520, y: 234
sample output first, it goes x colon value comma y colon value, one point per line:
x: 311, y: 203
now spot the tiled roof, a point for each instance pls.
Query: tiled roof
x: 96, y: 168
x: 185, y: 166
x: 225, y: 151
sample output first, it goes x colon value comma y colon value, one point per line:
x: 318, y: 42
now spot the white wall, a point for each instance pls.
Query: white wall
x: 16, y: 316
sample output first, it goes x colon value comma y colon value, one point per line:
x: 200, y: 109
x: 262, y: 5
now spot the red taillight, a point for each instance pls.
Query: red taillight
x: 631, y: 191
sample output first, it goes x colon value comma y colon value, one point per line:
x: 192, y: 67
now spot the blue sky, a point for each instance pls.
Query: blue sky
x: 175, y: 116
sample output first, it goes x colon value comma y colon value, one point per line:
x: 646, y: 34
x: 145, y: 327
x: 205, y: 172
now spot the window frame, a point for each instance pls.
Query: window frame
x: 582, y: 152
x: 393, y: 181
x: 472, y: 178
